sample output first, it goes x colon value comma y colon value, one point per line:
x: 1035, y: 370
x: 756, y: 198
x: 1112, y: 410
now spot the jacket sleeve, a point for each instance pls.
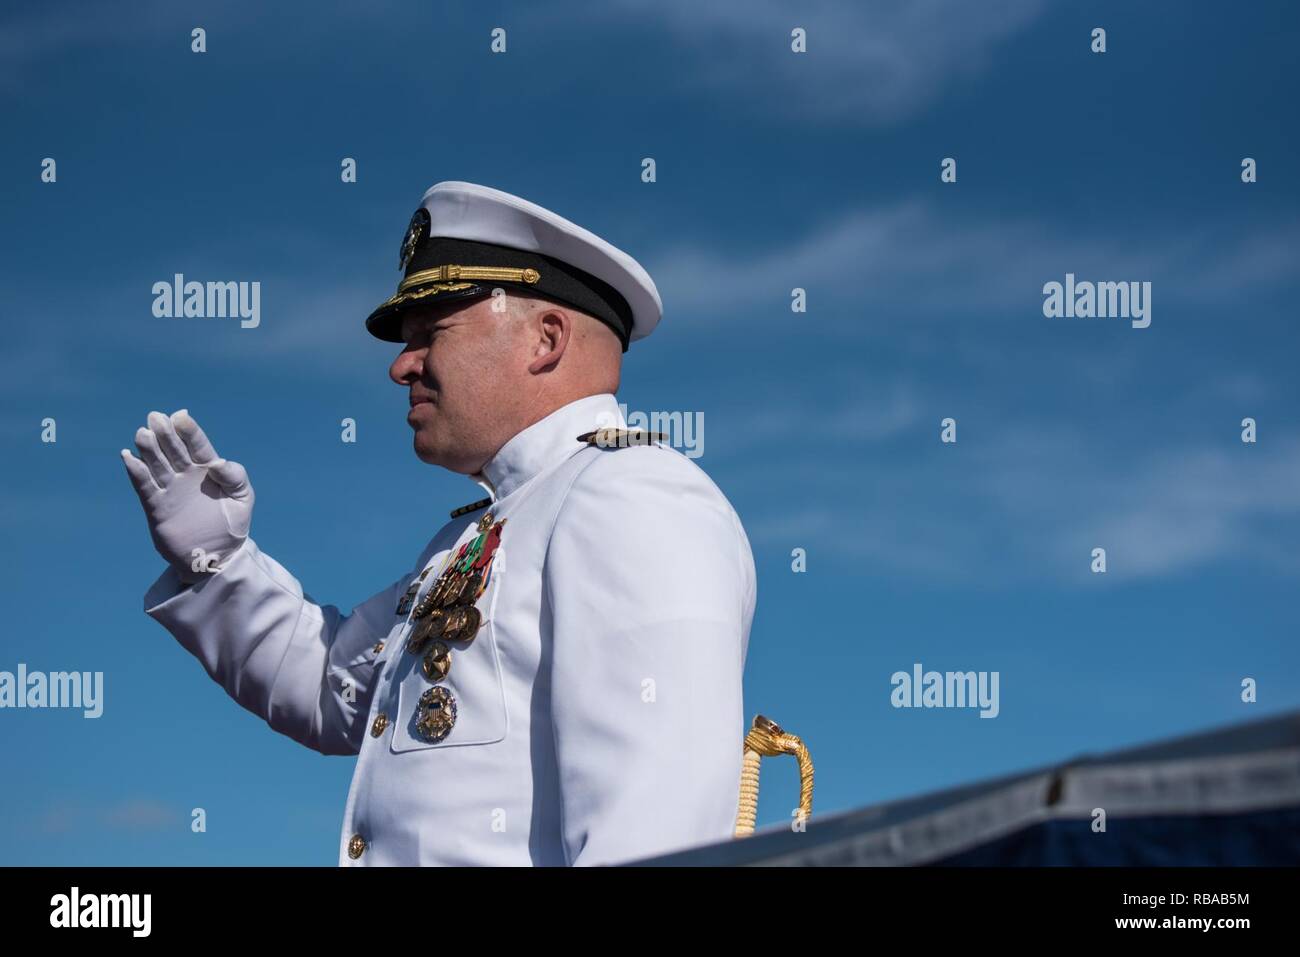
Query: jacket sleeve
x: 304, y: 668
x: 649, y: 581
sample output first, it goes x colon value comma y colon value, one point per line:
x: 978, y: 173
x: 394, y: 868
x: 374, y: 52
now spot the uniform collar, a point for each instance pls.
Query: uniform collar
x: 547, y: 442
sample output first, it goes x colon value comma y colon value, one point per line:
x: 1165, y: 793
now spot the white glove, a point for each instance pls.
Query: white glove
x: 199, y: 505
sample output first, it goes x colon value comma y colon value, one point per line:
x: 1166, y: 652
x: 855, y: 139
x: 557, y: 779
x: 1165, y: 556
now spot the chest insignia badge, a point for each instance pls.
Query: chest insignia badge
x: 436, y: 715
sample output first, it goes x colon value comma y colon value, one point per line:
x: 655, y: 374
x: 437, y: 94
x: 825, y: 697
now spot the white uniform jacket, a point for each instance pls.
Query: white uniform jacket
x: 598, y: 708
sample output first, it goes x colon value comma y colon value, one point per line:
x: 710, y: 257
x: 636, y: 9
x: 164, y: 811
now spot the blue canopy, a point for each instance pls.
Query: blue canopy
x: 1226, y: 797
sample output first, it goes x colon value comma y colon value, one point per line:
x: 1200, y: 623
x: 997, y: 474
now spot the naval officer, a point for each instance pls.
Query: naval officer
x: 557, y: 680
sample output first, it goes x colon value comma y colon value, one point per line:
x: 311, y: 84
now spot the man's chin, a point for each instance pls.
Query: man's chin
x: 426, y: 454
x: 439, y: 456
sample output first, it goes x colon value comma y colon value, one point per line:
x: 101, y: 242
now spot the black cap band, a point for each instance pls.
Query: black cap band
x: 440, y: 269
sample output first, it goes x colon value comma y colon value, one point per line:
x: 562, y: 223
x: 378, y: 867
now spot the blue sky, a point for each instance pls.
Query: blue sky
x: 774, y: 171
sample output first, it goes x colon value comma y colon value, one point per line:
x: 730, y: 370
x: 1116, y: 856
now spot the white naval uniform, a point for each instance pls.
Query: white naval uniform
x: 599, y: 712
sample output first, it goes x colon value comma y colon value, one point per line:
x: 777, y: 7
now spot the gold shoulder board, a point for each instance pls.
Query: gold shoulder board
x: 620, y: 438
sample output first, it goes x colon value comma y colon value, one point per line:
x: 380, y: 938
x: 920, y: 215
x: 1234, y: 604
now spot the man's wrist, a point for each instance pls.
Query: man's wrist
x: 205, y: 565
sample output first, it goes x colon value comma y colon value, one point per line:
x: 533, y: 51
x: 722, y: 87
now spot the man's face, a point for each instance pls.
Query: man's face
x: 464, y: 366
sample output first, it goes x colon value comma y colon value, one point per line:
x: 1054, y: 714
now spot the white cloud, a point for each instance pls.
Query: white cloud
x: 867, y: 63
x: 1032, y: 502
x: 133, y: 815
x: 912, y: 254
x: 869, y: 413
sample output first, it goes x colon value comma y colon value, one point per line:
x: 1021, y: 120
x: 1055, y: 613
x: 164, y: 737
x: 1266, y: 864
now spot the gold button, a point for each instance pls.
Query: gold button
x: 381, y: 722
x: 378, y: 647
x: 356, y: 846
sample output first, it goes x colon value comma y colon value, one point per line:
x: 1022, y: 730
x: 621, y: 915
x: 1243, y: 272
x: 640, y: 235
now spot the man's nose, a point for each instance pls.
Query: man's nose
x: 406, y: 367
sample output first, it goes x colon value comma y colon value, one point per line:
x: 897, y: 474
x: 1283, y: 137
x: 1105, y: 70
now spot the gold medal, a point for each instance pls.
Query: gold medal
x: 426, y: 605
x: 467, y: 626
x: 465, y: 591
x: 428, y: 627
x: 446, y: 596
x: 453, y: 622
x: 437, y: 661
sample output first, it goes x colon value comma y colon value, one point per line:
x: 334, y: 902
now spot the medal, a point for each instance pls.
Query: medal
x: 453, y: 622
x: 447, y: 613
x: 464, y: 592
x: 436, y: 662
x: 433, y: 599
x: 428, y: 627
x: 466, y: 627
x: 425, y: 606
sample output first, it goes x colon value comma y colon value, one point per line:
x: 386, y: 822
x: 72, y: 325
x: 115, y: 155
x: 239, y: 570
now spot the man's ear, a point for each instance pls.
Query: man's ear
x: 553, y: 328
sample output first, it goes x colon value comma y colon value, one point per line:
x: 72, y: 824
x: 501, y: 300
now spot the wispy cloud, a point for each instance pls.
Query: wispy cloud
x: 867, y: 64
x: 947, y: 265
x: 873, y: 413
x: 1033, y: 500
x: 136, y: 815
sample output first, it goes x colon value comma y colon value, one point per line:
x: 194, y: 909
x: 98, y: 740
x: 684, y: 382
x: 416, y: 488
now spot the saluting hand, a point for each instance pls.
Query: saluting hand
x: 199, y: 506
